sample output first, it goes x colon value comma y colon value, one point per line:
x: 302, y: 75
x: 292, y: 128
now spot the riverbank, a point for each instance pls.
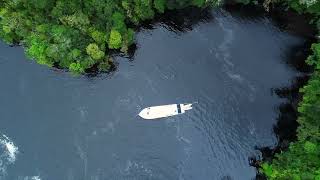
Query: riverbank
x: 297, y: 156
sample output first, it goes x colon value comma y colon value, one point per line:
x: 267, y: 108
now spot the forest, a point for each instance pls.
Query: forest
x: 80, y: 35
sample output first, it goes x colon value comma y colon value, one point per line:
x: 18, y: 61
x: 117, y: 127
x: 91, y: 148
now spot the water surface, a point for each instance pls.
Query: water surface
x: 85, y: 128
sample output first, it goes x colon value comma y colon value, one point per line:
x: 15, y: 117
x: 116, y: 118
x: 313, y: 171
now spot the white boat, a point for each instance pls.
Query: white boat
x: 156, y: 112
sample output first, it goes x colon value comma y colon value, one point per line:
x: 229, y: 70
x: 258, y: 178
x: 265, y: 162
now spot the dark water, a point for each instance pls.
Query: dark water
x: 86, y: 128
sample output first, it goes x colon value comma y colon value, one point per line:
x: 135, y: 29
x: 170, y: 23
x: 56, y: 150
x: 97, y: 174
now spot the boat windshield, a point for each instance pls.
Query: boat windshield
x: 179, y: 108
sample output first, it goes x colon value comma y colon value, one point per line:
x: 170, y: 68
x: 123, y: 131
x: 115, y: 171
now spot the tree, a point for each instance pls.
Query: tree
x: 115, y: 40
x: 94, y: 52
x: 160, y: 5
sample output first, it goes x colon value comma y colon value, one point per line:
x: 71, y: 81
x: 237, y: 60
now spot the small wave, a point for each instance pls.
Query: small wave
x: 134, y: 167
x: 35, y: 178
x: 236, y: 77
x: 30, y: 178
x: 8, y: 154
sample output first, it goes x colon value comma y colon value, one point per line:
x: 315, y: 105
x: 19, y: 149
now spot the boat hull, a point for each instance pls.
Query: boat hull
x: 156, y: 112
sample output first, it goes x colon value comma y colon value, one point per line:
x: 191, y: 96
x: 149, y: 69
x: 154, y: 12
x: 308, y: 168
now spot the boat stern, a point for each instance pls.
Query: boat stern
x: 186, y: 107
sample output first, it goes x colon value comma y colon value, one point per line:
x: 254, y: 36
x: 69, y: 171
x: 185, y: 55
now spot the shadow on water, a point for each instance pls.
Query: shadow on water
x: 296, y: 56
x: 286, y: 127
x: 181, y: 20
x: 178, y: 21
x: 245, y: 11
x: 284, y: 19
x: 292, y: 22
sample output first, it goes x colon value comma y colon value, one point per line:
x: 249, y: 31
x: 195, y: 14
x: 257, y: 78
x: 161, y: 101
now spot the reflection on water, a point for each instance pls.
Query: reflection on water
x: 80, y: 128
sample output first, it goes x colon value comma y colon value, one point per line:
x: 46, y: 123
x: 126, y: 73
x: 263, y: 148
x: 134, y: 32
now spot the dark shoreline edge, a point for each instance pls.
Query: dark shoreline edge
x: 286, y: 127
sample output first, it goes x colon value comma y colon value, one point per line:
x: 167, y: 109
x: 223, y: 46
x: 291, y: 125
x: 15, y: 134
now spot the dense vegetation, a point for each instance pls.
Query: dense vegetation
x: 78, y: 34
x: 302, y: 159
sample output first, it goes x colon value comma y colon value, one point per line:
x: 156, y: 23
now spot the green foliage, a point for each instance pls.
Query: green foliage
x: 267, y: 169
x: 94, y: 52
x: 160, y: 5
x: 76, y: 68
x: 130, y: 37
x: 310, y: 147
x: 118, y: 22
x: 104, y: 66
x: 305, y: 6
x: 245, y: 1
x: 314, y: 58
x: 143, y: 9
x: 115, y: 40
x: 198, y: 3
x: 98, y: 37
x: 76, y: 34
x: 77, y: 20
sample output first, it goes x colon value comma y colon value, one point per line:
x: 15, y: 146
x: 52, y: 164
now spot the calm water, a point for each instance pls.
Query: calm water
x: 58, y: 127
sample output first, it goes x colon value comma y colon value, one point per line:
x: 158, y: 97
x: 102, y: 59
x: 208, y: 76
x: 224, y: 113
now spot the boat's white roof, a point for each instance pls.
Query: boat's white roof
x: 156, y: 112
